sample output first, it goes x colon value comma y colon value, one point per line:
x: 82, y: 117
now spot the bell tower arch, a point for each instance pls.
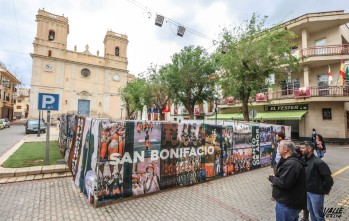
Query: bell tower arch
x: 115, y: 47
x: 52, y: 30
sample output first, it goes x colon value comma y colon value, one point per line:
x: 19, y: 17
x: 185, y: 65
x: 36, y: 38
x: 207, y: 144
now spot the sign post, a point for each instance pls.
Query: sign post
x: 253, y: 114
x: 47, y: 138
x: 48, y: 102
x: 39, y: 125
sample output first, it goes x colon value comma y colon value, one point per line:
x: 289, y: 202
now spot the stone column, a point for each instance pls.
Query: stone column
x: 304, y: 42
x: 306, y: 75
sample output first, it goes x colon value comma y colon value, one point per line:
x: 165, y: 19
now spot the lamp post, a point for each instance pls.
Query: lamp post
x: 216, y: 108
x: 122, y: 109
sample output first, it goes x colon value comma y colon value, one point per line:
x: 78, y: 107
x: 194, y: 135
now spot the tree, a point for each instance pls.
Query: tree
x: 135, y: 95
x: 187, y: 77
x: 158, y: 88
x: 254, y: 54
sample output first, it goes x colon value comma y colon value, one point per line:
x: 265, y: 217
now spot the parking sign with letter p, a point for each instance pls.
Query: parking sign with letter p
x: 48, y: 101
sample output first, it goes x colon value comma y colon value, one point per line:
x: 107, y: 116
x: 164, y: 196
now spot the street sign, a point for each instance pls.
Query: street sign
x: 253, y: 113
x: 48, y: 101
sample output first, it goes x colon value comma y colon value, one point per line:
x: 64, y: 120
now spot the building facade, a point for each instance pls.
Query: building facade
x: 8, y: 89
x: 86, y: 83
x: 21, y: 107
x: 311, y: 98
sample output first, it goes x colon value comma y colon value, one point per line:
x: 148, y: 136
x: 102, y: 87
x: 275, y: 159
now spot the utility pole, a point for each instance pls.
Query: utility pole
x: 216, y: 109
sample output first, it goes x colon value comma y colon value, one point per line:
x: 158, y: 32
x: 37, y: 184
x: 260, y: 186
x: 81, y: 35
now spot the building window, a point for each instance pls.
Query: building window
x: 287, y: 87
x: 117, y: 51
x: 49, y: 53
x: 319, y: 46
x: 85, y: 72
x: 51, y: 35
x: 326, y: 114
x: 323, y: 85
x: 19, y: 101
x: 19, y: 107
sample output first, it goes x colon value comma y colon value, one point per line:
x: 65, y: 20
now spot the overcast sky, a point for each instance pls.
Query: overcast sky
x: 90, y: 19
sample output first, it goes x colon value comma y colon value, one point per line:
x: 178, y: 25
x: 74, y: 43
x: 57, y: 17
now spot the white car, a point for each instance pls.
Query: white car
x: 6, y: 122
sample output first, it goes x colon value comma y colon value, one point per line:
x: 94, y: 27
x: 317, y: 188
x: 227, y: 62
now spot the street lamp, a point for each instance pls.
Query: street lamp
x: 216, y: 108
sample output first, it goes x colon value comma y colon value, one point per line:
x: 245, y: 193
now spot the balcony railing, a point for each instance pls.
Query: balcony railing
x: 314, y: 92
x: 330, y: 91
x: 325, y: 50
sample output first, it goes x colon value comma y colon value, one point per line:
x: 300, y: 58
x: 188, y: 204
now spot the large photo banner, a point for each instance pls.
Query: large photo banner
x: 146, y: 161
x: 211, y: 162
x: 111, y: 159
x: 86, y: 177
x: 168, y: 166
x: 110, y: 155
x: 74, y: 154
x: 227, y: 149
x: 266, y: 138
x: 257, y: 134
x: 242, y: 148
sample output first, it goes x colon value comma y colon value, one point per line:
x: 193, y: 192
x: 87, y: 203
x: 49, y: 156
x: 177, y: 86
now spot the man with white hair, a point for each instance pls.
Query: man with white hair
x: 289, y: 183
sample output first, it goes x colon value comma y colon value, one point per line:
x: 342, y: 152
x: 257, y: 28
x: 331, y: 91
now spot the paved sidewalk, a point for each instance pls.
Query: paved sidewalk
x: 10, y: 175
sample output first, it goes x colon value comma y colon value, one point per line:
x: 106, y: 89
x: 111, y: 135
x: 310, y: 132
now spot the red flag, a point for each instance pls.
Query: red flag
x: 341, y: 72
x: 167, y: 108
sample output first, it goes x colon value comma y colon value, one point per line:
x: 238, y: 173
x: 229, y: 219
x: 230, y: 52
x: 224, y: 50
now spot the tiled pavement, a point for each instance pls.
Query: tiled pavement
x: 242, y: 197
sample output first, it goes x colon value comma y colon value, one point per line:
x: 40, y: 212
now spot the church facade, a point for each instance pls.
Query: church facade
x: 86, y: 83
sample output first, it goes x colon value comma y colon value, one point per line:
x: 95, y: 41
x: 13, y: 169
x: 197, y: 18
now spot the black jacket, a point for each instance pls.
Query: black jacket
x: 289, y: 183
x: 319, y: 179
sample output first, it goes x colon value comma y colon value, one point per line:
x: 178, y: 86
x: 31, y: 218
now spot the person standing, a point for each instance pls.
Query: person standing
x: 278, y: 138
x: 320, y: 146
x: 319, y: 182
x: 58, y: 123
x: 288, y: 183
x: 313, y: 136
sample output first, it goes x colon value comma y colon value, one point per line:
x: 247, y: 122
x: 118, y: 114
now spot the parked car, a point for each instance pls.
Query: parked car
x: 2, y: 125
x: 32, y: 126
x: 6, y: 122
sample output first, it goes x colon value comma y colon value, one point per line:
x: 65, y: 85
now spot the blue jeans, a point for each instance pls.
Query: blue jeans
x: 320, y: 153
x: 284, y: 213
x: 315, y: 204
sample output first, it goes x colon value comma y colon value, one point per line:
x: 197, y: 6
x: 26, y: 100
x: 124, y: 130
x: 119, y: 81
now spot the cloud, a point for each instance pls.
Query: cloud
x: 90, y: 19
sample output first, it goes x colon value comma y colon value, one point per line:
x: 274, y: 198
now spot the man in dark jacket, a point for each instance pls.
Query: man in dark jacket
x: 288, y: 183
x: 319, y: 181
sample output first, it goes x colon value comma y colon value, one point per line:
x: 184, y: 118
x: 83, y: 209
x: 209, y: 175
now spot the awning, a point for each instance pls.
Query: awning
x: 226, y: 117
x: 272, y: 115
x: 282, y: 115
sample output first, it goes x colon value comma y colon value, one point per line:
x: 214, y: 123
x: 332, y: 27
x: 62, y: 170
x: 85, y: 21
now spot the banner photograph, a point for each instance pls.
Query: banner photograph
x: 111, y: 160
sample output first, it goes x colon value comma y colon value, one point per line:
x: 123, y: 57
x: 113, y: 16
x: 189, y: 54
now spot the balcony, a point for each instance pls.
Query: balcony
x: 325, y: 50
x: 330, y: 91
x: 335, y: 91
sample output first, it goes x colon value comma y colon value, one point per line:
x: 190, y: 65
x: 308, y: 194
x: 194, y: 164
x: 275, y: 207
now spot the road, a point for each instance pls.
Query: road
x: 10, y: 136
x: 245, y: 196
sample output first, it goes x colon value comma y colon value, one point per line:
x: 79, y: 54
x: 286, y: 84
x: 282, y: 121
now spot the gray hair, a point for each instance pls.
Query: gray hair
x: 289, y: 145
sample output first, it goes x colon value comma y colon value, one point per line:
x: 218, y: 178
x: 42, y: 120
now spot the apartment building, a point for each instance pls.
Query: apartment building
x: 8, y: 83
x: 311, y: 98
x: 87, y: 83
x: 21, y: 107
